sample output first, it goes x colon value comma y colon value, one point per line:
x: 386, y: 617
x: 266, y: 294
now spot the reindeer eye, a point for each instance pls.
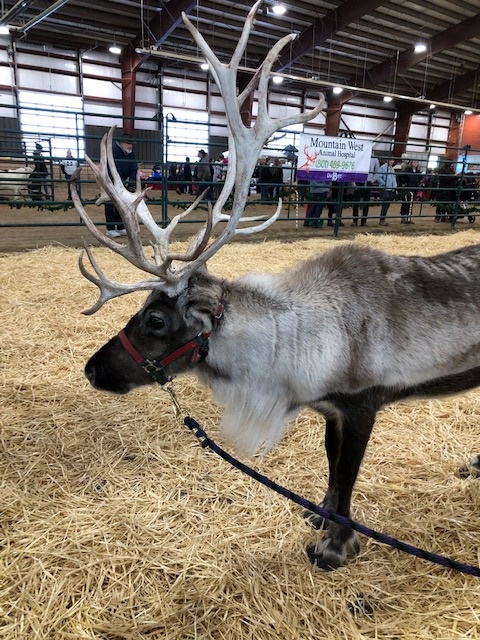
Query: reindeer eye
x: 155, y: 322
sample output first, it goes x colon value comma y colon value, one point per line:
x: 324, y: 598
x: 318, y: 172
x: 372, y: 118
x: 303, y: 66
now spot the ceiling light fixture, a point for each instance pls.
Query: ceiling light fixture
x: 4, y: 30
x: 279, y: 9
x: 277, y: 79
x: 337, y: 90
x: 432, y: 106
x: 420, y: 47
x: 387, y: 98
x: 468, y: 112
x: 115, y: 49
x: 204, y: 66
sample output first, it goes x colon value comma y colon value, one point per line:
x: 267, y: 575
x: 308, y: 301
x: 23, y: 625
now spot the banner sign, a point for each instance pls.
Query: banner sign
x: 333, y: 159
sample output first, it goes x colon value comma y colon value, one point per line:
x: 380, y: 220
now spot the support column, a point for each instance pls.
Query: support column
x: 247, y: 106
x: 405, y: 111
x: 454, y: 135
x: 333, y: 116
x: 129, y: 65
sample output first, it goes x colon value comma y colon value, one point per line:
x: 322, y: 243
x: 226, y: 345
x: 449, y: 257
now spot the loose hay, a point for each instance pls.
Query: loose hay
x: 115, y: 524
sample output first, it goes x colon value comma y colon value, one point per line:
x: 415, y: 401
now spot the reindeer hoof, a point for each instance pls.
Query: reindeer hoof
x: 471, y: 469
x: 328, y: 555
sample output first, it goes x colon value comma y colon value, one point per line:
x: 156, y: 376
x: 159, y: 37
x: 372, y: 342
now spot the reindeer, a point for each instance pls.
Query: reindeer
x: 343, y: 333
x: 14, y: 183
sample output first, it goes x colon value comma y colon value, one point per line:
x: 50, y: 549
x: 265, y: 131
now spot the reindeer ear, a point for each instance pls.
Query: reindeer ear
x: 200, y: 302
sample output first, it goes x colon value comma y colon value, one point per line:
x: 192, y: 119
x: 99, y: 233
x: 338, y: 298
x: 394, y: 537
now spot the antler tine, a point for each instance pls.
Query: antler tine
x: 133, y: 211
x: 245, y: 145
x: 108, y: 288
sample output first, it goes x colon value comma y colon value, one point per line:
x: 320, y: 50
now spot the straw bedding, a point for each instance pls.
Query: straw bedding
x: 116, y: 525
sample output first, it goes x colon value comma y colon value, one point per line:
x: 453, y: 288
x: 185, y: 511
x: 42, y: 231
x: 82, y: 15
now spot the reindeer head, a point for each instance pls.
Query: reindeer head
x: 172, y: 272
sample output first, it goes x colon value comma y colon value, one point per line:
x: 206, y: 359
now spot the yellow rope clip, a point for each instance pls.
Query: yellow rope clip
x: 177, y: 409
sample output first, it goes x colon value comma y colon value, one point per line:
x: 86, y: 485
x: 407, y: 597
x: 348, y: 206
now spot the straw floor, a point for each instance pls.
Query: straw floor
x: 115, y: 524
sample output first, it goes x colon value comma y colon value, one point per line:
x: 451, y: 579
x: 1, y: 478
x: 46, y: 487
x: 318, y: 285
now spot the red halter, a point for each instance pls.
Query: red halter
x: 156, y: 368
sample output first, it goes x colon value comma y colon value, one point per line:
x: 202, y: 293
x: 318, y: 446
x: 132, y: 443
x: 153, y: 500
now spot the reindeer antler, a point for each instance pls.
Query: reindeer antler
x: 245, y: 145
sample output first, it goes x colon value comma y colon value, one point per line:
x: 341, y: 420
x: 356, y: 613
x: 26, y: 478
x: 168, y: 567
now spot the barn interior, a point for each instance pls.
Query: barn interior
x: 114, y: 523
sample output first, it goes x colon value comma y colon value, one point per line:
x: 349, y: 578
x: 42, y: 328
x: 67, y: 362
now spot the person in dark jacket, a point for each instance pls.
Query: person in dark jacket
x: 187, y: 177
x: 204, y: 176
x: 40, y: 172
x: 445, y: 195
x: 126, y: 164
x: 409, y: 181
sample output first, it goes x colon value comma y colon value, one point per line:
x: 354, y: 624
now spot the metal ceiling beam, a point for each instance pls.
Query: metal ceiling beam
x: 159, y: 28
x: 321, y: 30
x: 447, y: 39
x: 41, y: 16
x: 314, y: 85
x: 18, y: 8
x: 459, y: 84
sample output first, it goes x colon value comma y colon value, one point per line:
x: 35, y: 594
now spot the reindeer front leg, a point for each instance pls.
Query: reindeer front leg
x: 347, y: 433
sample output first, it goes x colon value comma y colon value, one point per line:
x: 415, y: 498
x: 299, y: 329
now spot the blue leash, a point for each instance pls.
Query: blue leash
x: 205, y: 442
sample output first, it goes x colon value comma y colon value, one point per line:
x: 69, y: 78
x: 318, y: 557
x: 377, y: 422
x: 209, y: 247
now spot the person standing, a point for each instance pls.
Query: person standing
x: 388, y: 181
x: 319, y: 193
x: 264, y: 179
x: 204, y: 175
x: 363, y: 192
x: 410, y: 177
x: 40, y: 171
x: 187, y: 176
x: 126, y: 165
x: 68, y: 166
x: 445, y: 195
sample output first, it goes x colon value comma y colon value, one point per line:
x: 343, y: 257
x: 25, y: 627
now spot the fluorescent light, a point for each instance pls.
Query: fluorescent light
x: 337, y: 90
x: 387, y: 98
x: 277, y: 79
x: 4, y: 30
x: 279, y: 9
x: 420, y: 47
x: 115, y: 49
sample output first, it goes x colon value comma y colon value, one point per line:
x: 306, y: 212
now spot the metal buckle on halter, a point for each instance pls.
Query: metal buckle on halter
x: 155, y: 371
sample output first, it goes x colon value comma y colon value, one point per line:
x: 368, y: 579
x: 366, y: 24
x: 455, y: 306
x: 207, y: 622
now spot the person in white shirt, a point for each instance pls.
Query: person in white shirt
x: 388, y: 180
x: 68, y: 167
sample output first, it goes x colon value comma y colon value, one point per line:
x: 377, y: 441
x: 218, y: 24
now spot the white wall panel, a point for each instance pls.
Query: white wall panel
x: 184, y: 84
x: 217, y: 104
x: 102, y: 71
x: 5, y: 112
x: 365, y: 126
x: 439, y: 134
x: 147, y: 94
x: 282, y: 110
x: 47, y: 81
x: 102, y: 115
x: 149, y: 123
x: 218, y: 132
x: 102, y: 88
x: 184, y: 100
x: 419, y: 131
x: 285, y: 98
x: 6, y: 76
x: 47, y: 62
